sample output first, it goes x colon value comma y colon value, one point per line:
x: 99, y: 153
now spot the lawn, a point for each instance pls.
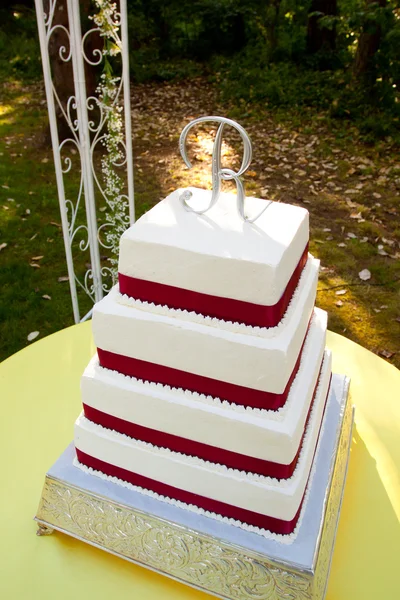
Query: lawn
x: 351, y: 189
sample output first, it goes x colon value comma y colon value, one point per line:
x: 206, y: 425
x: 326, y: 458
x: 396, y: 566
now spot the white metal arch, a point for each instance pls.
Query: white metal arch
x: 79, y: 215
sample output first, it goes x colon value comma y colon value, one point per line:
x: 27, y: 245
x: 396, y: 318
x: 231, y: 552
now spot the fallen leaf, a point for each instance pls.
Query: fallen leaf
x: 364, y: 275
x: 33, y: 237
x: 34, y: 265
x: 45, y: 160
x: 33, y: 335
x: 61, y: 279
x: 351, y: 204
x: 342, y: 245
x: 339, y: 303
x: 386, y: 353
x: 356, y: 215
x: 28, y: 211
x: 3, y: 245
x: 46, y: 297
x: 376, y: 195
x: 37, y: 257
x: 341, y: 292
x: 6, y: 187
x: 377, y: 310
x: 55, y: 224
x: 352, y: 236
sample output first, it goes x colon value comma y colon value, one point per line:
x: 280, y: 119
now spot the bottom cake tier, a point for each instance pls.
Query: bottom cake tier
x: 254, y: 502
x: 200, y: 551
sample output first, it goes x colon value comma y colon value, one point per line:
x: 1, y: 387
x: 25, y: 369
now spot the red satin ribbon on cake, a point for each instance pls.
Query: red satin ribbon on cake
x: 221, y: 508
x: 176, y: 443
x: 238, y: 394
x: 233, y: 512
x: 227, y: 309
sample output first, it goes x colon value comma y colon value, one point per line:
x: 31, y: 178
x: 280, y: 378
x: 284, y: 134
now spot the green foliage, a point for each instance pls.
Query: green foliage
x: 19, y: 44
x: 258, y: 52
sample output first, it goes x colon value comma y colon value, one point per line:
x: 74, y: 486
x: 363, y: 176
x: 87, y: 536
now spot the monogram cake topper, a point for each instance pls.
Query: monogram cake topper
x: 218, y: 172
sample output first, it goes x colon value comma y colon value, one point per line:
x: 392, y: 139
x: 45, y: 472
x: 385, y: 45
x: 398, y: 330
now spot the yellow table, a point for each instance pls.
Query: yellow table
x: 40, y: 401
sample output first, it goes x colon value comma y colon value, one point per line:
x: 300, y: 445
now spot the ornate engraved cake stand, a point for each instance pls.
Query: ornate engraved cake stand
x: 199, y: 551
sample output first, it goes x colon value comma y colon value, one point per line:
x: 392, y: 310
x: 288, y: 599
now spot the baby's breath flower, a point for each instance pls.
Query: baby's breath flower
x: 117, y: 216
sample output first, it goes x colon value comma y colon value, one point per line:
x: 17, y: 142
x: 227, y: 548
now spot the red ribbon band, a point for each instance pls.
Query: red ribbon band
x: 213, y: 454
x: 238, y: 394
x: 221, y: 508
x: 208, y: 504
x: 227, y: 309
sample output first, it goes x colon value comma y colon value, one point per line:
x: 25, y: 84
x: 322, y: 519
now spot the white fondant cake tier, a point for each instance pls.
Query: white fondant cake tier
x: 217, y: 253
x: 279, y: 499
x: 264, y: 434
x: 264, y: 364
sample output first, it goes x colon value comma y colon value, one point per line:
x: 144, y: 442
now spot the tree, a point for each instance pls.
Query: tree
x: 370, y: 38
x: 320, y: 35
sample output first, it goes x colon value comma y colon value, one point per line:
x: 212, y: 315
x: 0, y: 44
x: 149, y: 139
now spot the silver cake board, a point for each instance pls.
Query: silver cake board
x: 210, y: 555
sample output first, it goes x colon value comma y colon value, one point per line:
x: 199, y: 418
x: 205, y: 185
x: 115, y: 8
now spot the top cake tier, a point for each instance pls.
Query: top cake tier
x: 216, y: 264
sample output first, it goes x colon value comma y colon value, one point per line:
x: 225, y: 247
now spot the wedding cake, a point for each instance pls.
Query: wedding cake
x: 211, y: 376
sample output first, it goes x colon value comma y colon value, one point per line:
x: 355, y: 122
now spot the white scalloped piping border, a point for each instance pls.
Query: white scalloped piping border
x: 266, y: 533
x: 274, y: 415
x: 233, y: 327
x: 280, y: 538
x: 195, y: 460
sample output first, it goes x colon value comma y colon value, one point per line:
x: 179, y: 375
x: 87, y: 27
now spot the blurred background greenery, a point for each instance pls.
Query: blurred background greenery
x: 342, y: 56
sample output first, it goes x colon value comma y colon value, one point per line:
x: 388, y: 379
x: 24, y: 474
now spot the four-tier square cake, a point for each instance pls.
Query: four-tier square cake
x: 210, y: 381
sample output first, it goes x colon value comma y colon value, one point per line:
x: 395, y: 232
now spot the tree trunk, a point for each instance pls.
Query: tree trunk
x: 273, y: 36
x: 62, y: 71
x: 368, y: 44
x: 318, y: 37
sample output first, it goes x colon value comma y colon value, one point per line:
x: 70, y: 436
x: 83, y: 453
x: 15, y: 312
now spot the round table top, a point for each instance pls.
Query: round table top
x: 40, y: 402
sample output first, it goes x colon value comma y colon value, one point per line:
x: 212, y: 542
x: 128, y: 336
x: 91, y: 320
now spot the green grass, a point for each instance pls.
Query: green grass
x: 33, y: 259
x: 29, y: 224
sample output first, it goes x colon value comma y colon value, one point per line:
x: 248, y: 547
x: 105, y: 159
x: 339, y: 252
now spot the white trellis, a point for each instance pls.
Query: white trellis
x: 87, y: 135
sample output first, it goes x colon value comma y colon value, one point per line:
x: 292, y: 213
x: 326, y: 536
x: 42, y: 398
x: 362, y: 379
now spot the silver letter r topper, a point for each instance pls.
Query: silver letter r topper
x: 219, y: 173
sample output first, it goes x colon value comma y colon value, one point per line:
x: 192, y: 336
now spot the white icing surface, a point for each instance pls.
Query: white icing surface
x: 194, y: 317
x: 263, y: 495
x: 265, y: 434
x: 247, y: 360
x: 217, y: 253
